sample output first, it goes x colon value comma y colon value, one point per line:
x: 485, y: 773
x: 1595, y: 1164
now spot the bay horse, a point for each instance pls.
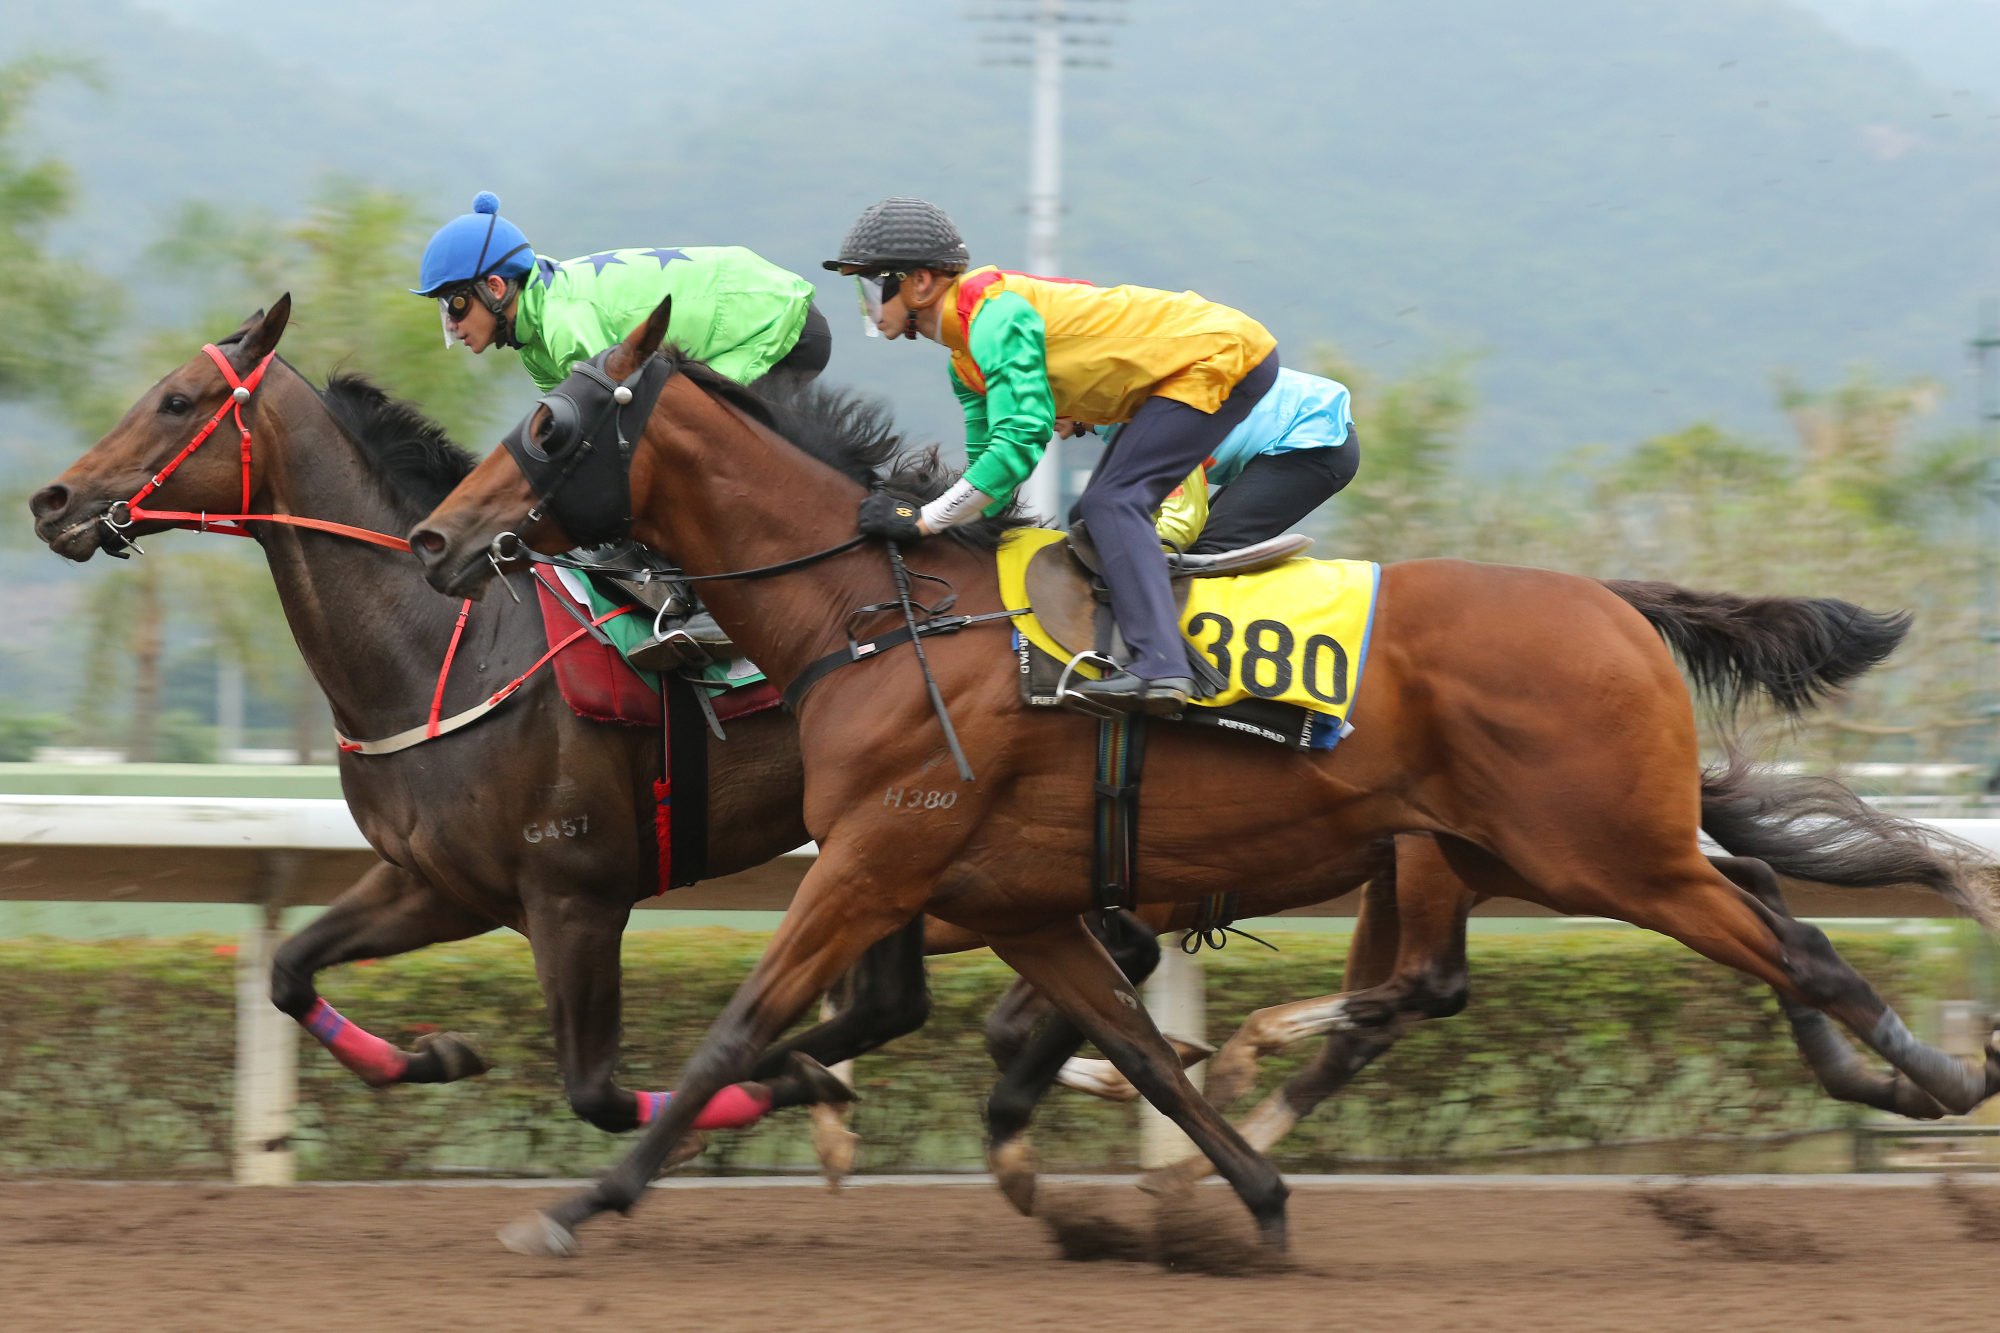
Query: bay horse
x: 1530, y: 725
x: 455, y: 862
x: 448, y: 816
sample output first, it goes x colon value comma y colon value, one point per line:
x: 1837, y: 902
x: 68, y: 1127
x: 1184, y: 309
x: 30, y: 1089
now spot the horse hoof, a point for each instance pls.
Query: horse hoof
x: 1097, y: 1078
x: 1013, y: 1166
x: 1191, y: 1051
x: 834, y: 1144
x: 539, y: 1236
x: 455, y: 1053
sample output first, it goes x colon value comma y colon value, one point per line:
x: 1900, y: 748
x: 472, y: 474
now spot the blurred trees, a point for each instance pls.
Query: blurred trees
x: 346, y: 262
x: 1855, y: 506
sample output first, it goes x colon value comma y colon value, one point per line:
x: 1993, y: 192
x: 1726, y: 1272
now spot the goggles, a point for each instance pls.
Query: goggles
x: 453, y: 307
x: 877, y: 290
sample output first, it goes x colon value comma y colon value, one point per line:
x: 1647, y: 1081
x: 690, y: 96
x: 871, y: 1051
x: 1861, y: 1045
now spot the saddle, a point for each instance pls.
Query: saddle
x: 1067, y: 592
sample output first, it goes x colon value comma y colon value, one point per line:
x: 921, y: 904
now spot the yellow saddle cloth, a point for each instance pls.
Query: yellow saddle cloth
x: 1296, y: 633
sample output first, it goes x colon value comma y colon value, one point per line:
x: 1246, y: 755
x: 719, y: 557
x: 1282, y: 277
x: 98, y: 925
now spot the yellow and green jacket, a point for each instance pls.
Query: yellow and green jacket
x: 1025, y: 350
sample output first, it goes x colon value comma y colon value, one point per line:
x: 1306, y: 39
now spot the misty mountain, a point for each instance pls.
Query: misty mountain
x: 1630, y: 215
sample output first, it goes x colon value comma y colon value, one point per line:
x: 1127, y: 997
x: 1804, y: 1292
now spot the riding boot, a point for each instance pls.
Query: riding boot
x: 1123, y: 692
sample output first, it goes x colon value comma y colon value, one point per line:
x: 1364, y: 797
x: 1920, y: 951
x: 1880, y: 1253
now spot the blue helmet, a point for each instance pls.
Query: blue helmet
x: 473, y: 245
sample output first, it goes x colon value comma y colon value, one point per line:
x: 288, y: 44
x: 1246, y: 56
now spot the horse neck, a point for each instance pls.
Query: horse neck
x: 724, y: 494
x: 372, y: 632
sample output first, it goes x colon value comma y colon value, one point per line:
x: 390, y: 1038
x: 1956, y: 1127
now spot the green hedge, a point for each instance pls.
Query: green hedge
x: 115, y: 1058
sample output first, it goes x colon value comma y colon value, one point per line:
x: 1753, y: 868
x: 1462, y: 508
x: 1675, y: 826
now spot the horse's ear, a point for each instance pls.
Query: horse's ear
x: 646, y: 339
x: 258, y: 337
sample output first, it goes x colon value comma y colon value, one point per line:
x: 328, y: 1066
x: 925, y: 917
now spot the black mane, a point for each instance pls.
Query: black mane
x: 411, y: 457
x: 851, y: 434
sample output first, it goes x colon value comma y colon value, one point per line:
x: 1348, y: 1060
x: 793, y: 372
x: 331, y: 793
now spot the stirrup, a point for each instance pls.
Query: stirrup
x: 1079, y: 703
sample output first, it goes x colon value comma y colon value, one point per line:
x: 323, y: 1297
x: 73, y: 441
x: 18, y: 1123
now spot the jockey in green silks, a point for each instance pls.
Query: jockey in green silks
x: 740, y: 313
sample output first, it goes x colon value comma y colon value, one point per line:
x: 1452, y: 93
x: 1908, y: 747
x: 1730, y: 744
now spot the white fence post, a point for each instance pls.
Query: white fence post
x: 267, y: 1048
x: 1174, y: 999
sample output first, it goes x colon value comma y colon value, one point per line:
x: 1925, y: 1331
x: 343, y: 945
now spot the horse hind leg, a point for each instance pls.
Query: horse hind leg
x: 1407, y: 963
x: 1671, y: 889
x: 1832, y: 1061
x: 387, y: 912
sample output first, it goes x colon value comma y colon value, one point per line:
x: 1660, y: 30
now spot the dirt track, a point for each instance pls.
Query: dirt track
x: 951, y: 1257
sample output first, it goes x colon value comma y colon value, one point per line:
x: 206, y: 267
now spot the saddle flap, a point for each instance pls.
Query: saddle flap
x: 1063, y: 596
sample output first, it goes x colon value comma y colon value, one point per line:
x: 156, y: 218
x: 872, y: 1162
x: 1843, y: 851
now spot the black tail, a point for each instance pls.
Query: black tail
x: 1794, y: 650
x: 1817, y: 830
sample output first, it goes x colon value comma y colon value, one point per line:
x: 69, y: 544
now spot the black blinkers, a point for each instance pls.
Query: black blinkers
x: 593, y: 423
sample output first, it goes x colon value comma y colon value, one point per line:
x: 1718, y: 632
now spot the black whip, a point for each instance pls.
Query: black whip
x: 902, y: 577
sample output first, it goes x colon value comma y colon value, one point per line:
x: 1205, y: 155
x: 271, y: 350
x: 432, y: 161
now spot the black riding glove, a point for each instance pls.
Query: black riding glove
x: 890, y: 517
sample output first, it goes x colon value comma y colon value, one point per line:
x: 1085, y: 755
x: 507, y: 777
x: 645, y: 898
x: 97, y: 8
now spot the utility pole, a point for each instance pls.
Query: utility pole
x: 1983, y: 348
x: 1053, y: 43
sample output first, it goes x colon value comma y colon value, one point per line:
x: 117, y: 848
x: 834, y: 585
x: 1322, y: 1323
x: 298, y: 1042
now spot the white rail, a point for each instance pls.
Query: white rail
x: 278, y: 852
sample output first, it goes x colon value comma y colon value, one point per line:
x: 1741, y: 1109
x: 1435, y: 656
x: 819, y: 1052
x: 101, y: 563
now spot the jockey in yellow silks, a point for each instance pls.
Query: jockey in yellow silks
x: 1176, y: 372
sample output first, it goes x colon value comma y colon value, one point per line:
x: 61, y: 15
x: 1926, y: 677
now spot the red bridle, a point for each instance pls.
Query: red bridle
x: 125, y: 513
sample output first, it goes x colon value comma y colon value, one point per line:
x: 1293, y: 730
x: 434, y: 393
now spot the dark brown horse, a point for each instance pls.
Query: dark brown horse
x: 448, y: 816
x: 1531, y: 724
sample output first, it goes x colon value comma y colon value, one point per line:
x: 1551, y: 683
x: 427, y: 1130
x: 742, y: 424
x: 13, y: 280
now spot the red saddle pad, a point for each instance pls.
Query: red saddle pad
x: 596, y: 681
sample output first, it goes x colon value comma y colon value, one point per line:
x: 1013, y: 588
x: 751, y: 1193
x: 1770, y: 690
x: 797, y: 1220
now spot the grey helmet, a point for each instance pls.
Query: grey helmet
x: 902, y: 232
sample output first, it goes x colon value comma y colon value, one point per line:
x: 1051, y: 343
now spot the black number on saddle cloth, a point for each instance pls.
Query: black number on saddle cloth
x: 1316, y: 646
x: 1219, y: 650
x: 1267, y: 641
x: 1267, y: 652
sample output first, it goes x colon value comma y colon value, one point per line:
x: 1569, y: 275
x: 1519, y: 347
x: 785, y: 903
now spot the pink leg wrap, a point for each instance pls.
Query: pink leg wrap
x: 376, y: 1061
x: 732, y: 1108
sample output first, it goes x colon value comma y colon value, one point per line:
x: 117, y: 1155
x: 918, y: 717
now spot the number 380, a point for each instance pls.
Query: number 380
x: 1269, y: 658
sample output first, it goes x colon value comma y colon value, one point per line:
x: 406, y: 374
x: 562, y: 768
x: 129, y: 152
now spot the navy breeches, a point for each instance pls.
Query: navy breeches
x: 1154, y: 452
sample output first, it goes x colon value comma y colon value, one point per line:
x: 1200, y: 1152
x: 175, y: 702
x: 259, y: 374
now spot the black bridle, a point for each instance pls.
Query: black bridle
x: 587, y: 441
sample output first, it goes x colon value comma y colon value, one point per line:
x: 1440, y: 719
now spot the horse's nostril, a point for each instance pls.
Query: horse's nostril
x: 427, y: 541
x: 48, y: 500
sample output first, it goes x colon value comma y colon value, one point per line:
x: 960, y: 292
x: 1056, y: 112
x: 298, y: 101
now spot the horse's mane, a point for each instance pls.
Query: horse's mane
x: 850, y: 433
x: 408, y: 454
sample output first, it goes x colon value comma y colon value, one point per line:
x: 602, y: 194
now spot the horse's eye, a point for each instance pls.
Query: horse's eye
x: 543, y: 424
x: 175, y: 405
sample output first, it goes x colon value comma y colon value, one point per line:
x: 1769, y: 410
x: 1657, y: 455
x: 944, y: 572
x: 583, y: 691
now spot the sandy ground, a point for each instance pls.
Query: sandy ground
x: 1425, y: 1255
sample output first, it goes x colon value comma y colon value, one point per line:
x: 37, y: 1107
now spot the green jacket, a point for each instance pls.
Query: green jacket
x: 736, y: 311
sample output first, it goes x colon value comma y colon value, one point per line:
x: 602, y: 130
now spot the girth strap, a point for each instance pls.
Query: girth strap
x: 686, y: 788
x: 1121, y: 760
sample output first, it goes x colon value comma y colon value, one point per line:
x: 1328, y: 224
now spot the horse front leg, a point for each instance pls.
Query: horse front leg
x: 839, y: 910
x: 387, y: 912
x: 884, y: 996
x: 1072, y: 969
x: 1035, y: 1048
x: 575, y: 939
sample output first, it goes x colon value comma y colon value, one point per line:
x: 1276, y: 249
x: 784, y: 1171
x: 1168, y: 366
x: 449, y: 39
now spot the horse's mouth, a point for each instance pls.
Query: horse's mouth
x: 82, y: 538
x: 466, y: 578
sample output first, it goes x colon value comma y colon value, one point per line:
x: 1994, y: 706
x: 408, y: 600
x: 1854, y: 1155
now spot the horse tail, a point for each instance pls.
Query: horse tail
x: 1815, y: 829
x: 1794, y: 650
